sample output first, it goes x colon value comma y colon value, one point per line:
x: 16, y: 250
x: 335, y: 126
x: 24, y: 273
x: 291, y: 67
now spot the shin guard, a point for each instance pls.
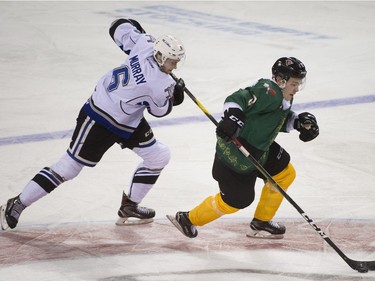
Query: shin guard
x: 209, y: 210
x: 270, y: 198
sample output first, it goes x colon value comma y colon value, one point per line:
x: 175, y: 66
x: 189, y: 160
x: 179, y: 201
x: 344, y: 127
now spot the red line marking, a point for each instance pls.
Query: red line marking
x: 103, y: 239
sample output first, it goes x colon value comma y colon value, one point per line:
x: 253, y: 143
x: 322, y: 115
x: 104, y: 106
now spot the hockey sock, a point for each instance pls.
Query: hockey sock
x: 270, y: 198
x: 43, y: 183
x: 49, y: 178
x: 209, y: 210
x: 31, y: 193
x: 142, y: 182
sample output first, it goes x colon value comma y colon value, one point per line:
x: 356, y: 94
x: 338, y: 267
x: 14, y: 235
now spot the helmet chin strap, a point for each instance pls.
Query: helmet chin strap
x: 160, y: 64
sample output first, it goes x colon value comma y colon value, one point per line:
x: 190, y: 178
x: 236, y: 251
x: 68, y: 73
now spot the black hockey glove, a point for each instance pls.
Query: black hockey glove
x: 178, y: 93
x: 307, y: 126
x: 231, y: 123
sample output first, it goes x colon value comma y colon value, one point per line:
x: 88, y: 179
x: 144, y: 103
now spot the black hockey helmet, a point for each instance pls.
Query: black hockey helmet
x: 287, y: 67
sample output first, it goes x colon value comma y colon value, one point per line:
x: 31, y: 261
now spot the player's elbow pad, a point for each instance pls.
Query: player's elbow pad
x: 161, y: 114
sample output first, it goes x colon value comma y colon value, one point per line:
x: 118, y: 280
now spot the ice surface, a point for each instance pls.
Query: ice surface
x: 53, y: 53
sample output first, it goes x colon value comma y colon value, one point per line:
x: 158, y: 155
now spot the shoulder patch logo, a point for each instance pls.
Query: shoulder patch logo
x: 269, y: 89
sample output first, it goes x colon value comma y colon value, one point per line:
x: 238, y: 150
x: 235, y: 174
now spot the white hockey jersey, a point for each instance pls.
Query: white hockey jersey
x: 122, y: 95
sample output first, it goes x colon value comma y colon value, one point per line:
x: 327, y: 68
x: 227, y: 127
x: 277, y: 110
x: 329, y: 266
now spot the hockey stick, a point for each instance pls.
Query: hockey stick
x: 360, y: 266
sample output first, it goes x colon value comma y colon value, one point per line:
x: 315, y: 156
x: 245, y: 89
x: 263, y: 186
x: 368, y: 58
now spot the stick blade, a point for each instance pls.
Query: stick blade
x: 370, y: 265
x: 362, y: 266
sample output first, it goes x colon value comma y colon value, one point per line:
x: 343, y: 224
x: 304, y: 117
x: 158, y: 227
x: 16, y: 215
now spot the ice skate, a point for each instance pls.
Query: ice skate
x: 182, y: 223
x: 130, y: 213
x: 10, y: 213
x: 266, y: 229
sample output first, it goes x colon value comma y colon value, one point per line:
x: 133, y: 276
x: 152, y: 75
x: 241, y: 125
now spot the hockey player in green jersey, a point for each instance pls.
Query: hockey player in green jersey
x: 254, y: 115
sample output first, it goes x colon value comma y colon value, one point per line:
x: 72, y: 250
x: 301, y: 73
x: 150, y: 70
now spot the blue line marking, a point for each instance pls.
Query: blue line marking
x: 188, y: 119
x: 36, y: 137
x: 215, y: 22
x: 335, y: 102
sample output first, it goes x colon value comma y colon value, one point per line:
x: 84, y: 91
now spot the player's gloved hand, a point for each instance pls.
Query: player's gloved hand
x: 231, y: 123
x: 136, y: 24
x: 117, y: 23
x: 178, y: 93
x: 307, y: 125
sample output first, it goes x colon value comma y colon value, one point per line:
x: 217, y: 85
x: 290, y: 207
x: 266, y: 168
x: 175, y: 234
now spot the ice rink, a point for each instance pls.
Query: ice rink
x: 53, y: 53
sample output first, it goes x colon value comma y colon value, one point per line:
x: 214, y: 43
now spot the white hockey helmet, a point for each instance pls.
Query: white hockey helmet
x: 169, y: 47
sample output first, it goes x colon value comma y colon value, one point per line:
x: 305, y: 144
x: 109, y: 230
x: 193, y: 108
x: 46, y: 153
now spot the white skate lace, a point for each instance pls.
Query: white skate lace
x: 274, y: 224
x: 17, y: 209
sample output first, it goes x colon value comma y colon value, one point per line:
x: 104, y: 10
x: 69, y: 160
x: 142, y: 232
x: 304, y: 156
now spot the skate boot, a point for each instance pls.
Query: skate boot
x: 131, y: 213
x: 10, y: 213
x: 182, y: 223
x: 266, y: 229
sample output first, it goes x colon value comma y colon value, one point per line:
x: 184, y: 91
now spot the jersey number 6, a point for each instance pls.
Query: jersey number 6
x: 117, y: 74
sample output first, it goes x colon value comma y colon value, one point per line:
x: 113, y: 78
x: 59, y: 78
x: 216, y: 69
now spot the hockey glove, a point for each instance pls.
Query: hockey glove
x: 178, y: 93
x: 137, y: 25
x: 116, y: 23
x: 307, y: 125
x: 231, y: 123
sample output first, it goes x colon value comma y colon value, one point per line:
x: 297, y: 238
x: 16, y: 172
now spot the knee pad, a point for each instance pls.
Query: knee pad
x: 270, y: 199
x: 286, y: 177
x: 156, y: 156
x: 67, y: 168
x: 220, y: 206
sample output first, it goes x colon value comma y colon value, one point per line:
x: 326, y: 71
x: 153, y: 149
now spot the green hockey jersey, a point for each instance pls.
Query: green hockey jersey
x: 266, y: 114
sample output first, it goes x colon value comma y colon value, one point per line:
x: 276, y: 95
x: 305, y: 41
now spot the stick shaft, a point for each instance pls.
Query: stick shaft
x: 197, y: 102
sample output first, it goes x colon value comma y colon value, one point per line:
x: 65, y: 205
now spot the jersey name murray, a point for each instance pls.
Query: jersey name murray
x: 136, y: 70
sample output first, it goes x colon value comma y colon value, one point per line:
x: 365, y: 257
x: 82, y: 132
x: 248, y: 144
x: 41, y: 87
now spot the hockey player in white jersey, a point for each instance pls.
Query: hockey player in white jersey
x: 114, y: 114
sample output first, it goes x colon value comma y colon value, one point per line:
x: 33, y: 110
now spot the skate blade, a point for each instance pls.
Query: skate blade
x: 173, y: 220
x: 132, y: 221
x: 3, y: 222
x: 260, y: 234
